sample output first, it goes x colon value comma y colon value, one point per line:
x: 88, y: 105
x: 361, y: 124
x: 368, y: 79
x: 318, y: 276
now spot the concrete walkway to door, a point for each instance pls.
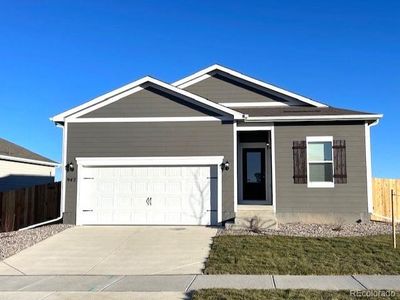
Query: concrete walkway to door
x: 115, y: 250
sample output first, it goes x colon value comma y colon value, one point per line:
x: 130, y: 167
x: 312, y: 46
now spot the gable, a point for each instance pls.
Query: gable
x: 150, y: 102
x: 222, y: 88
x: 140, y: 110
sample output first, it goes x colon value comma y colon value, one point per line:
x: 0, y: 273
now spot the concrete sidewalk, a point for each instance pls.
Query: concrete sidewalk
x: 187, y: 283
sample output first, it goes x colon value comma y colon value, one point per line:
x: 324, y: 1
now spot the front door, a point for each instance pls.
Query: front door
x: 254, y: 187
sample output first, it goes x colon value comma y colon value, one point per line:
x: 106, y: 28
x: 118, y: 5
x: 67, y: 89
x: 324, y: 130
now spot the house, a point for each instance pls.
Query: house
x: 20, y: 167
x: 214, y: 146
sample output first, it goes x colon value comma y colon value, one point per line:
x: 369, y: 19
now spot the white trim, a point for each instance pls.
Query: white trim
x: 133, y: 88
x: 312, y: 118
x: 235, y: 168
x: 254, y: 104
x: 149, y: 160
x: 219, y: 201
x: 64, y: 163
x: 254, y: 128
x: 78, y: 195
x: 150, y: 119
x: 198, y: 79
x: 189, y: 80
x: 368, y: 160
x: 152, y: 161
x: 320, y: 184
x: 29, y: 161
x: 319, y: 139
x: 273, y: 162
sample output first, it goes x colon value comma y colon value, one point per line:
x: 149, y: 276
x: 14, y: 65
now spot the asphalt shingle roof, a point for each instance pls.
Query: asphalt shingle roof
x: 10, y: 149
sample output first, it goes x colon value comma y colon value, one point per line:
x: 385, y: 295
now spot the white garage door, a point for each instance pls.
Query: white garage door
x: 156, y: 195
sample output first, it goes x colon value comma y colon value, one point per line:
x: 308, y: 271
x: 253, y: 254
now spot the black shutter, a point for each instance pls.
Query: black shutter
x: 339, y: 161
x: 299, y: 162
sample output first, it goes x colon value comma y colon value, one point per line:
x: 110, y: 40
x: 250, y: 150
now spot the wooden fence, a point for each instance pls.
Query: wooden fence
x: 381, y: 199
x: 23, y: 207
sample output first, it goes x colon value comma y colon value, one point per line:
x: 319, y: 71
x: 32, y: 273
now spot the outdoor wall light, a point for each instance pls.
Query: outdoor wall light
x: 70, y: 167
x: 225, y: 166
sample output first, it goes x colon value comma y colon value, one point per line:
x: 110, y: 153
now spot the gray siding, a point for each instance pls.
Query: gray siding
x: 150, y: 102
x: 343, y: 199
x: 220, y: 89
x: 149, y: 139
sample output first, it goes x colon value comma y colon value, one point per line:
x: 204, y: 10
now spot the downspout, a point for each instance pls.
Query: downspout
x: 61, y: 194
x: 374, y: 123
x: 369, y: 163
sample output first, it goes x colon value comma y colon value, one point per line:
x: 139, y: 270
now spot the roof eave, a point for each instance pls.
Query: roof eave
x: 30, y: 161
x: 314, y: 118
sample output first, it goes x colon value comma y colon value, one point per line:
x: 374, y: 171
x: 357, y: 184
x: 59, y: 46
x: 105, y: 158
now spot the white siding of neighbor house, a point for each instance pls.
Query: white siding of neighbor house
x: 14, y: 175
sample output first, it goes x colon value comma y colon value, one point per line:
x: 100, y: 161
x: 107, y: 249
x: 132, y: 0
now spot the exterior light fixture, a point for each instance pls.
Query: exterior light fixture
x: 225, y: 166
x: 69, y: 167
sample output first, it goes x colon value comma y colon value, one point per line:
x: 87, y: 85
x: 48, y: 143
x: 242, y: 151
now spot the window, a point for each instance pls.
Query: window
x: 320, y: 161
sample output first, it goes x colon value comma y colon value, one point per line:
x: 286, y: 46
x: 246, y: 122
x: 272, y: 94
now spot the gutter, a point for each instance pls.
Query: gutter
x: 30, y: 161
x: 315, y: 118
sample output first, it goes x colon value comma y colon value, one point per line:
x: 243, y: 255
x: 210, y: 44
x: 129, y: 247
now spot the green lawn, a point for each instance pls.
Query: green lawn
x: 302, y: 256
x: 232, y: 294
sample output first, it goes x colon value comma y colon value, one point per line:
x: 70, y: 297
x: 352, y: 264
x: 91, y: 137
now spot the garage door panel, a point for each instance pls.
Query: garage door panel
x: 105, y: 201
x: 124, y: 202
x: 173, y: 172
x: 124, y: 186
x: 158, y: 203
x: 171, y: 217
x: 173, y: 187
x: 139, y: 201
x: 139, y: 217
x: 180, y: 195
x: 174, y: 203
x: 156, y: 186
x: 105, y: 216
x: 122, y: 216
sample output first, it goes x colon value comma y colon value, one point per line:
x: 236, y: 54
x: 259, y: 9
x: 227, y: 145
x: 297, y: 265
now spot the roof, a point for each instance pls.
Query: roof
x: 305, y: 113
x: 135, y: 87
x: 11, y: 151
x: 205, y: 73
x: 317, y: 111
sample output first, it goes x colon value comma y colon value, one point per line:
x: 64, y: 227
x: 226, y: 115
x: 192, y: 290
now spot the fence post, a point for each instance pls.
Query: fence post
x: 393, y: 218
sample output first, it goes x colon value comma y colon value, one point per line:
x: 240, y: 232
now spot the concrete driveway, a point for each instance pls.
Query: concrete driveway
x: 116, y: 250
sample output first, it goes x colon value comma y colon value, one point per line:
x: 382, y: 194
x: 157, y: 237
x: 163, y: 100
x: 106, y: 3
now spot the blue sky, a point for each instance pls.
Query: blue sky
x: 57, y: 54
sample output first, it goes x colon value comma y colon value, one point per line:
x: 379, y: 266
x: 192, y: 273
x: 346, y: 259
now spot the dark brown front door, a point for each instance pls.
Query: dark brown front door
x: 254, y: 174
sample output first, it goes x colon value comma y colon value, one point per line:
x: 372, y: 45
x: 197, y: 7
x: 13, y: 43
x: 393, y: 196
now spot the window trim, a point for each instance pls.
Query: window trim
x: 319, y: 184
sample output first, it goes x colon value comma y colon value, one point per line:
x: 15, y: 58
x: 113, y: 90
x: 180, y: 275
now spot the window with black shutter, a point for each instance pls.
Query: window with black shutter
x: 339, y: 156
x: 299, y: 162
x: 319, y: 161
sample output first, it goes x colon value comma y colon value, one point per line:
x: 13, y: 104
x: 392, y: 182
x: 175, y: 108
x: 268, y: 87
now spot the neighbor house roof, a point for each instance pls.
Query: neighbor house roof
x: 14, y: 152
x: 305, y: 113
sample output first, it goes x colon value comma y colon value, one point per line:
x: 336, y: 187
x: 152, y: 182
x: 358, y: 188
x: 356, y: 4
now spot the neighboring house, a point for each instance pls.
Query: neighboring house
x: 209, y: 147
x: 20, y: 167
